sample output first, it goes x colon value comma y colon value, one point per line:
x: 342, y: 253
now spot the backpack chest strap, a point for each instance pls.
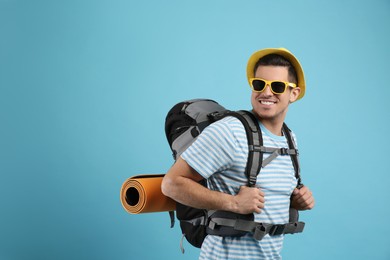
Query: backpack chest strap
x: 273, y: 151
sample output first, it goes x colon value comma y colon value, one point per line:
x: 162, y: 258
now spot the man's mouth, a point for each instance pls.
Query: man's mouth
x: 266, y: 102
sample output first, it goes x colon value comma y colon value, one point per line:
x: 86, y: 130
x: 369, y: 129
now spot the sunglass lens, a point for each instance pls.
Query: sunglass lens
x: 278, y: 87
x: 258, y: 85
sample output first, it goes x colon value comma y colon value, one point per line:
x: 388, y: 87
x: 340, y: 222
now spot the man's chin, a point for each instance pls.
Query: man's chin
x: 264, y: 114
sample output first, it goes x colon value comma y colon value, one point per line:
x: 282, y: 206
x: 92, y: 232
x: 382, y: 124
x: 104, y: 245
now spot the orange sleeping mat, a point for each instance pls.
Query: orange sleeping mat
x: 142, y: 194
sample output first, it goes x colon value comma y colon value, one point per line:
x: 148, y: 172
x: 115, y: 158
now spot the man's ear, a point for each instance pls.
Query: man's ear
x: 294, y: 94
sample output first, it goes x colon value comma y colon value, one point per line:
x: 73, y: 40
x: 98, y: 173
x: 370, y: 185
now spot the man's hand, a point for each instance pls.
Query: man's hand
x: 249, y: 200
x: 302, y: 199
x: 181, y: 184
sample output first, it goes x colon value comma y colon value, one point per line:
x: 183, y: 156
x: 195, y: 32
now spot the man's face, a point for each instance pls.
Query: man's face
x: 267, y: 105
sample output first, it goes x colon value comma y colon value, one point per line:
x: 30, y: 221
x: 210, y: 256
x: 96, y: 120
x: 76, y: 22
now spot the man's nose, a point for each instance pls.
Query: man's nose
x: 267, y: 91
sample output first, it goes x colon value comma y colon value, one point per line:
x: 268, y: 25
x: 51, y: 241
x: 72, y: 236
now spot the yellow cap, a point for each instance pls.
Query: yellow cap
x: 282, y: 52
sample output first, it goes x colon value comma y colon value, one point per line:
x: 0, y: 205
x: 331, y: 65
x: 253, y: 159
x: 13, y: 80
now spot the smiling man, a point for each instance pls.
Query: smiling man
x: 277, y: 80
x: 274, y: 82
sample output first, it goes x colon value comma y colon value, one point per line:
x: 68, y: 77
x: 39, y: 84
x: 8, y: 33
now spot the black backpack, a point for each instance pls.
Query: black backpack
x: 184, y: 122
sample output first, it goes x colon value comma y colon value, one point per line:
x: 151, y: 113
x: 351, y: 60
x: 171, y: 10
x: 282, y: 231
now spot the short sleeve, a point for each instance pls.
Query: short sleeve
x: 213, y: 150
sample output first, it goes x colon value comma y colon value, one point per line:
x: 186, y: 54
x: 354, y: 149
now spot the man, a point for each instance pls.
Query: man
x: 219, y: 155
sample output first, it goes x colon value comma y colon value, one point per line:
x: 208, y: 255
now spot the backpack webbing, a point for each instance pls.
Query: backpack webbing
x: 224, y: 223
x: 255, y: 140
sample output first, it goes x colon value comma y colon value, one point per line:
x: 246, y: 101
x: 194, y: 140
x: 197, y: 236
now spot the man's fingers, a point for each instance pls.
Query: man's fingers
x: 304, y: 198
x: 259, y: 207
x: 306, y: 201
x: 303, y: 192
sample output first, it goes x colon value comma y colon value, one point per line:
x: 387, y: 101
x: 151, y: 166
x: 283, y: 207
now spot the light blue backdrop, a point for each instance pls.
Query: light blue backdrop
x: 85, y: 87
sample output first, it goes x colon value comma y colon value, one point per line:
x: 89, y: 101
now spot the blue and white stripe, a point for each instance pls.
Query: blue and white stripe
x: 220, y: 155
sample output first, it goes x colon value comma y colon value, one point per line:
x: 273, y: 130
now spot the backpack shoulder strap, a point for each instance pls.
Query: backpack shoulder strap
x: 294, y: 156
x: 255, y: 142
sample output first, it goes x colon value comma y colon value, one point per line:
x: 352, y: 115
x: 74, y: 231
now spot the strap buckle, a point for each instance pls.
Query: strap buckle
x: 289, y: 228
x: 255, y: 148
x: 259, y: 232
x: 277, y: 230
x: 283, y: 151
x: 215, y: 116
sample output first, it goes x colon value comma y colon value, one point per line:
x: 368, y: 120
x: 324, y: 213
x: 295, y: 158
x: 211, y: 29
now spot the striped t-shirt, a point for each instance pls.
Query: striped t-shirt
x: 220, y: 154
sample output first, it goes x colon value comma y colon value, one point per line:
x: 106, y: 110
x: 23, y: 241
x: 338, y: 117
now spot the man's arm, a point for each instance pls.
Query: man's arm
x: 181, y: 184
x: 302, y: 199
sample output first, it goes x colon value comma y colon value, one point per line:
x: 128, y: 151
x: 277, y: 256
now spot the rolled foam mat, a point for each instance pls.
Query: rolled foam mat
x: 142, y: 194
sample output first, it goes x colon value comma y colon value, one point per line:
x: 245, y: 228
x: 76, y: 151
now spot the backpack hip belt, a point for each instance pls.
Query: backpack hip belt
x: 258, y: 229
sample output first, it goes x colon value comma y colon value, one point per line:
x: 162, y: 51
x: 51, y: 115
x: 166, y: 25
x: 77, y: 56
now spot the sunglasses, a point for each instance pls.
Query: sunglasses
x: 277, y: 87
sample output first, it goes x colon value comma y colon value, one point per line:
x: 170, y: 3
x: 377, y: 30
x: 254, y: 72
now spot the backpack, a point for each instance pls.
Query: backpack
x: 183, y: 123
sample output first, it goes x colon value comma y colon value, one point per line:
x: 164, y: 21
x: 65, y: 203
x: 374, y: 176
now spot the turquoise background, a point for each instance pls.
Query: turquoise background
x: 85, y: 87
